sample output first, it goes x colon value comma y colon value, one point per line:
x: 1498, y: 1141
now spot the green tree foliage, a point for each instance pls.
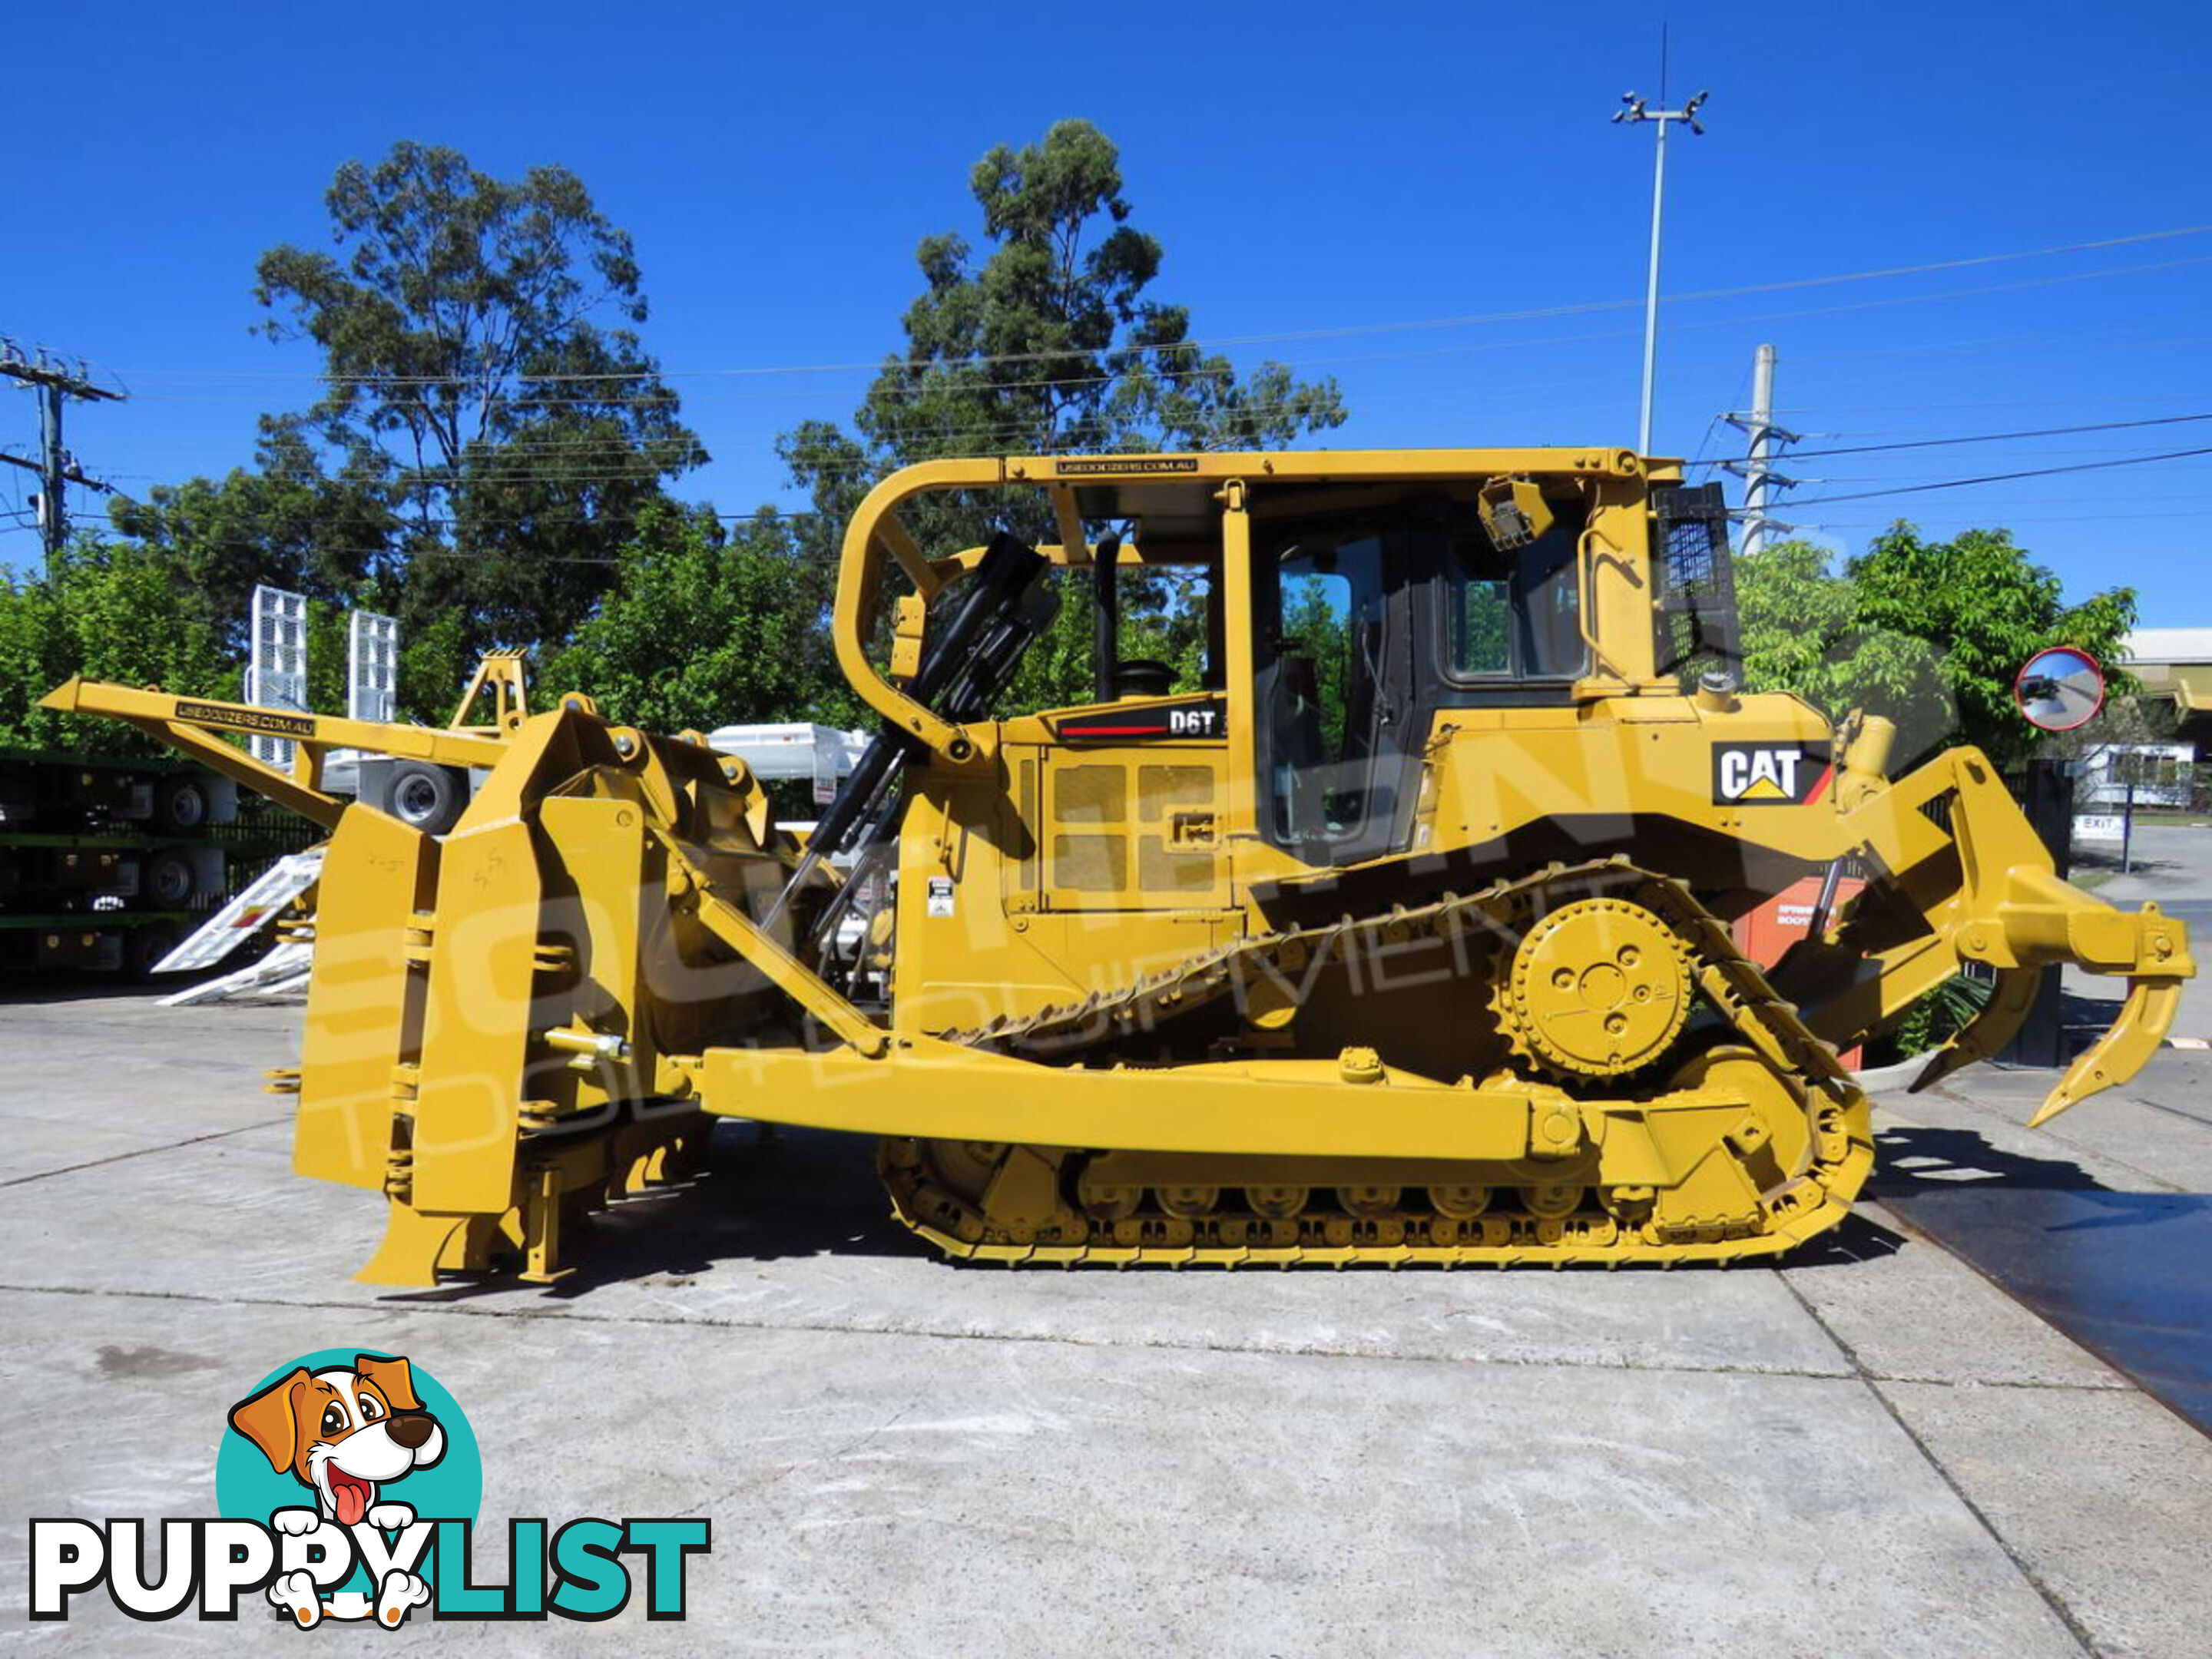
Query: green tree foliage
x: 491, y: 459
x: 107, y: 611
x: 1802, y: 632
x: 1047, y: 341
x: 1930, y: 634
x: 1983, y: 600
x: 1484, y: 641
x: 1315, y: 626
x: 32, y: 633
x: 704, y: 629
x: 491, y: 433
x: 1163, y: 620
x: 472, y: 391
x: 287, y: 522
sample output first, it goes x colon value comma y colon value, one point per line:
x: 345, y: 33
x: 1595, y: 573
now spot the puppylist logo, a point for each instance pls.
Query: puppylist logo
x: 349, y: 1485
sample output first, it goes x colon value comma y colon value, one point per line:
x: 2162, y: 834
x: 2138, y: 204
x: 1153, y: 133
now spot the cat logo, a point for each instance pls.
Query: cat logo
x: 1769, y: 774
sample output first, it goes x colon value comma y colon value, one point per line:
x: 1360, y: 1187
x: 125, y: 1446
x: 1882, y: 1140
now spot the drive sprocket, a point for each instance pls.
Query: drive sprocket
x: 1598, y: 988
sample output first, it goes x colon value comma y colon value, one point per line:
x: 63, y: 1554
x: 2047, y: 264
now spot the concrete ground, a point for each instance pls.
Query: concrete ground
x: 2171, y: 864
x: 1873, y: 1450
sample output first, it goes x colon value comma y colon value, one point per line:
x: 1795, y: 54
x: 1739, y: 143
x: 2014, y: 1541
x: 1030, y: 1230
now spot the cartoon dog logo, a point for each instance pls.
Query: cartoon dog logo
x: 345, y: 1434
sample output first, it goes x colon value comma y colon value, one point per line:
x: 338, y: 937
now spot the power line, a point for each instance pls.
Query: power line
x: 1339, y: 331
x: 438, y: 550
x: 985, y: 436
x: 2005, y: 478
x: 605, y: 400
x: 435, y: 551
x: 1987, y: 438
x: 2004, y: 403
x: 1841, y: 480
x: 402, y: 526
x: 2103, y: 339
x: 968, y: 441
x: 2009, y: 523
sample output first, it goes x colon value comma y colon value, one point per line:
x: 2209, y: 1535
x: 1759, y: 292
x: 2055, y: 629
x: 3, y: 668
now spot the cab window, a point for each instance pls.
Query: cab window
x: 1514, y: 614
x: 1325, y: 598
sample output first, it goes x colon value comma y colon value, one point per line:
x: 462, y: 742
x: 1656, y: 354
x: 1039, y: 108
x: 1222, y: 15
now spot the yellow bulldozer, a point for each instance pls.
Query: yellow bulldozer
x: 1402, y: 936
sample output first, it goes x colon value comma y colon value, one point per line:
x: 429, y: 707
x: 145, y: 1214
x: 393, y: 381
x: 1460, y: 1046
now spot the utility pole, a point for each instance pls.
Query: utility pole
x: 1635, y: 112
x: 54, y: 385
x: 1757, y: 470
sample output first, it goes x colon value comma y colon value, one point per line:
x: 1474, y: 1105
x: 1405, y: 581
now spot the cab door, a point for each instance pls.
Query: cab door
x: 1334, y: 689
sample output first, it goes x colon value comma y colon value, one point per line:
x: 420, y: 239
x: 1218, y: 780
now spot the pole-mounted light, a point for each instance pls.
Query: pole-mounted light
x: 1637, y: 111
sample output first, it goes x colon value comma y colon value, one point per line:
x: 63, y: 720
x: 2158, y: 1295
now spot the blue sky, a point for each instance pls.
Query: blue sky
x: 1327, y: 175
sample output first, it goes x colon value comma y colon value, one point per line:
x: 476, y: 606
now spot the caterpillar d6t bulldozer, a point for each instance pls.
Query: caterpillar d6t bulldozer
x: 1400, y: 932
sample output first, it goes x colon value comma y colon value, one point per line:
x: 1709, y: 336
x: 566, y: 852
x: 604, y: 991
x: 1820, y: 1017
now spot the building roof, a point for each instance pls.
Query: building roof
x: 2175, y: 644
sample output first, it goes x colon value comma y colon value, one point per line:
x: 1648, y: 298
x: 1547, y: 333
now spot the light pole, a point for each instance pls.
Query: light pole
x: 1639, y: 111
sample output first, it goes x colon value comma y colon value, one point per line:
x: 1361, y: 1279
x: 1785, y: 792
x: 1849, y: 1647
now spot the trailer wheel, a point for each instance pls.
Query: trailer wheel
x: 167, y: 879
x: 180, y: 805
x: 143, y: 947
x: 426, y: 798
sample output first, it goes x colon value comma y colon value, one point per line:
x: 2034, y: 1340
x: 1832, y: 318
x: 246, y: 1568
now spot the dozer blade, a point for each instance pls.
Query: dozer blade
x: 2139, y: 1031
x: 377, y: 878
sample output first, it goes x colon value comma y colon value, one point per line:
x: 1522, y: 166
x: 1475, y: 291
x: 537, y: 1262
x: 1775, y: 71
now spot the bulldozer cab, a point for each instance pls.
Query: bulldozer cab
x: 1363, y: 614
x: 1352, y: 603
x: 1366, y: 624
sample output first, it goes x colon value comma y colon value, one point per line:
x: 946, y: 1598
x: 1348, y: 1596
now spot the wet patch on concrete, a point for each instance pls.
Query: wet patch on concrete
x: 2127, y: 1275
x: 113, y: 1361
